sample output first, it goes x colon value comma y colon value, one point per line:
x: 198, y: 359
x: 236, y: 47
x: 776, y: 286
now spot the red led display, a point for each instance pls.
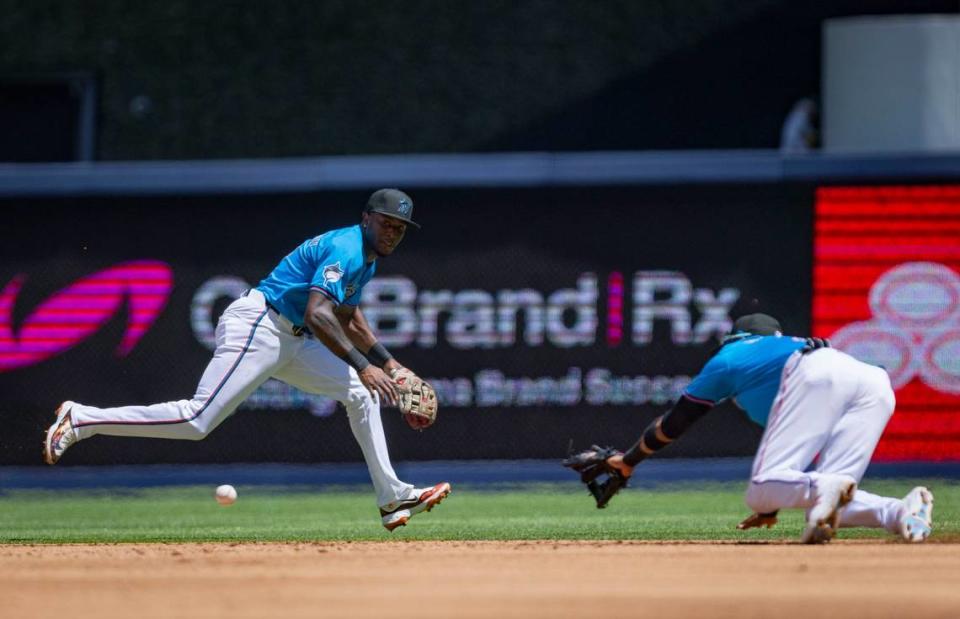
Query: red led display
x: 886, y: 285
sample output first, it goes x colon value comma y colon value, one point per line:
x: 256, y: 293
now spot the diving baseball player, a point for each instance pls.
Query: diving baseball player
x: 301, y: 325
x: 812, y: 399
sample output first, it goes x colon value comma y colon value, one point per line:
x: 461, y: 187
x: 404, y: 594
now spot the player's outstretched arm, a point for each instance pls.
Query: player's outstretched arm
x: 617, y: 463
x: 357, y: 328
x: 605, y: 470
x: 323, y: 322
x: 662, y: 431
x: 416, y: 398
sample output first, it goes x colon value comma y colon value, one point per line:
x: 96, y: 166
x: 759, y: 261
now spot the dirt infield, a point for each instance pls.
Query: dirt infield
x: 481, y: 579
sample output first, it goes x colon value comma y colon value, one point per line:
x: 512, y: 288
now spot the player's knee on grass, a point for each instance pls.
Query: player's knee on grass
x: 759, y: 500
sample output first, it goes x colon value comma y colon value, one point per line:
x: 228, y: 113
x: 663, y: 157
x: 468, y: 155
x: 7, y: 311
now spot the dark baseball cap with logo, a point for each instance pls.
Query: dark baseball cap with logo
x: 393, y: 203
x: 757, y: 324
x: 753, y: 324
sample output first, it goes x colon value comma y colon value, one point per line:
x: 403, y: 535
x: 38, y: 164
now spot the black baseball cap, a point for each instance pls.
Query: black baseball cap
x: 757, y: 324
x: 754, y: 324
x: 393, y: 203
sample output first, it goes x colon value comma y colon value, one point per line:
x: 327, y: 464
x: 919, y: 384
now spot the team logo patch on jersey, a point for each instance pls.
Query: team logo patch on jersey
x: 352, y: 288
x: 332, y: 273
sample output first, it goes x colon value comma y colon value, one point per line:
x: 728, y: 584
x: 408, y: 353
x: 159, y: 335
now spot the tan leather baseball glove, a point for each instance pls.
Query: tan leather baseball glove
x: 417, y: 399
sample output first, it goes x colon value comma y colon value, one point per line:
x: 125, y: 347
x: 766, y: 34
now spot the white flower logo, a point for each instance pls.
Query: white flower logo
x: 915, y: 328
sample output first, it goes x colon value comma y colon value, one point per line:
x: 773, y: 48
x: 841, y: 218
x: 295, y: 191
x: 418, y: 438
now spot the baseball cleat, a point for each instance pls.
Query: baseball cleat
x: 916, y: 523
x: 833, y: 492
x: 396, y: 514
x: 60, y: 436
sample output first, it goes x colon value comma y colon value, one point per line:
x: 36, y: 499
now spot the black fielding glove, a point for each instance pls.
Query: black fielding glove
x: 602, y: 480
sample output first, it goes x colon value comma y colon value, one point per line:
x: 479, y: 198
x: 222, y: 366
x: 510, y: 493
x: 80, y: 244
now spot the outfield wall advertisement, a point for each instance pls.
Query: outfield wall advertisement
x: 544, y: 317
x: 887, y: 290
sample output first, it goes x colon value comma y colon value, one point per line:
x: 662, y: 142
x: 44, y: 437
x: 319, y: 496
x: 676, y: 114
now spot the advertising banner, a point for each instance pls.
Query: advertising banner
x: 887, y: 291
x: 544, y: 316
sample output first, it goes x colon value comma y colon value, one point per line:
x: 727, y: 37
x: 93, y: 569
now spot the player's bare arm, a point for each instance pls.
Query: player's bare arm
x: 357, y: 328
x: 416, y: 398
x: 606, y: 470
x: 322, y: 320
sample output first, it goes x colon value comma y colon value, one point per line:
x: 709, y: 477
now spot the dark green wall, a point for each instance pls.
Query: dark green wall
x: 295, y: 78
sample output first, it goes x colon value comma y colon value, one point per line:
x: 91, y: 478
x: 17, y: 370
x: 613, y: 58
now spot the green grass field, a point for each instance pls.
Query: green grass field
x: 531, y: 512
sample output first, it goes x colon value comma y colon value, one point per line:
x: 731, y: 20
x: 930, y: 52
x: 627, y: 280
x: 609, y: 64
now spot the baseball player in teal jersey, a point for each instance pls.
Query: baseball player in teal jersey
x: 301, y: 325
x: 819, y: 407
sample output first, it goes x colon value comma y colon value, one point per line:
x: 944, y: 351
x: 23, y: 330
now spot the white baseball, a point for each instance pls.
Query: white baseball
x: 226, y: 494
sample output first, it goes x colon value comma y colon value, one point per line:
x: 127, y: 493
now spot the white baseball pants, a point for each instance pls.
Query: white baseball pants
x: 835, y: 406
x: 254, y: 344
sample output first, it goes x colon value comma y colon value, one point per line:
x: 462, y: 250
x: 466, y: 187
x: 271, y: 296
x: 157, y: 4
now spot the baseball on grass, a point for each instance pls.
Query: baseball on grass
x: 226, y: 494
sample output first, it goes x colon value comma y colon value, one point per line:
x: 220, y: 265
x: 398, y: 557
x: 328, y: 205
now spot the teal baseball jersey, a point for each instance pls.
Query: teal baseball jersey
x: 748, y: 371
x: 333, y: 264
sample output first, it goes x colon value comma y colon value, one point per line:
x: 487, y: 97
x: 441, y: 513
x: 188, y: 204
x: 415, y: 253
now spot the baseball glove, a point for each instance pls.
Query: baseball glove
x: 417, y: 399
x: 592, y: 464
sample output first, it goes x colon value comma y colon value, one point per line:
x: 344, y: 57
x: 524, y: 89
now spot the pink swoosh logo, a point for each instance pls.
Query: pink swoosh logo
x: 78, y: 311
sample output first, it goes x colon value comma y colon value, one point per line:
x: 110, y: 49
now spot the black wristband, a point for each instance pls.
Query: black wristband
x: 355, y: 358
x: 634, y: 455
x: 651, y: 441
x: 378, y: 355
